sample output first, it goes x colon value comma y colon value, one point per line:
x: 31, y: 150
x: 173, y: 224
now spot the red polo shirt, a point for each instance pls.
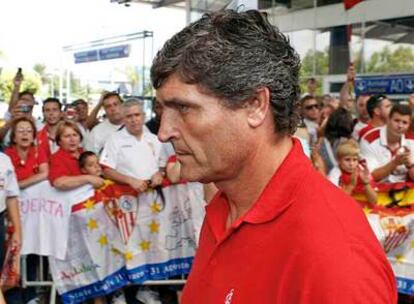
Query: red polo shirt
x: 303, y: 241
x: 62, y: 163
x: 43, y: 141
x: 26, y: 168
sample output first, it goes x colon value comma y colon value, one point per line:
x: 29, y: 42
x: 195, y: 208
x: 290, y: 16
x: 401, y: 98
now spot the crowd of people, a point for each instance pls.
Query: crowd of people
x: 357, y: 143
x: 70, y: 147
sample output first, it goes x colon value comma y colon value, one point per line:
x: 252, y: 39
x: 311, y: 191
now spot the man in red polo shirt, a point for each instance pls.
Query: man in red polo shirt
x: 277, y: 231
x: 46, y: 138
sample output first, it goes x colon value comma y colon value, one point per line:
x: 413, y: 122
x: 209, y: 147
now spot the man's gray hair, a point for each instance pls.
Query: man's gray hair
x: 132, y: 102
x: 231, y: 55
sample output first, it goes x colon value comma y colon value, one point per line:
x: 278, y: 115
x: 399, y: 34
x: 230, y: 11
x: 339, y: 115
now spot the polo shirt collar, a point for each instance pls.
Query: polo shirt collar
x: 67, y: 154
x: 277, y: 196
x: 383, y: 137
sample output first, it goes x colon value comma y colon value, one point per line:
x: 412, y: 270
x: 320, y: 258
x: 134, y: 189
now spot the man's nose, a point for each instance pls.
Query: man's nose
x: 166, y: 131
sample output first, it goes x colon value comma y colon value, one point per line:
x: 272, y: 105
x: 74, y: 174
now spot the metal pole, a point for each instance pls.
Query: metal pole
x: 67, y: 86
x: 152, y: 56
x: 314, y: 38
x: 362, y: 67
x: 61, y: 85
x: 143, y: 64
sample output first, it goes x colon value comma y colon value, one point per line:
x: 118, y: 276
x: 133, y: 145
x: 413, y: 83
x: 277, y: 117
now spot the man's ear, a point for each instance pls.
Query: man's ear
x: 258, y: 107
x: 377, y: 111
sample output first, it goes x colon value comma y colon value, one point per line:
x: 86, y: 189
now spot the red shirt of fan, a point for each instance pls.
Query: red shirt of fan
x: 28, y: 167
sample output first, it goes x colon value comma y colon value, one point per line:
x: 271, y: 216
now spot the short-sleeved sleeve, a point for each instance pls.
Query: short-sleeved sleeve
x: 334, y: 176
x: 62, y: 164
x: 11, y: 186
x: 109, y: 156
x: 42, y: 156
x: 368, y: 153
x: 57, y: 168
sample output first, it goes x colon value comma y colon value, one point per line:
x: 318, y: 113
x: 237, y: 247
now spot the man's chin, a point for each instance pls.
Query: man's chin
x: 190, y: 174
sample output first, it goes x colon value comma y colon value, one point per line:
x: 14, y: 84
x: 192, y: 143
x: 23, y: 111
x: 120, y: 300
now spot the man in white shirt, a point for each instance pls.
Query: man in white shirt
x: 311, y: 113
x: 97, y: 137
x: 388, y: 150
x: 9, y: 191
x: 130, y: 155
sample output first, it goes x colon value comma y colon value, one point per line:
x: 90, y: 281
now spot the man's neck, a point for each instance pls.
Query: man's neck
x: 115, y: 122
x: 243, y: 191
x: 377, y: 122
x: 51, y: 130
x: 393, y: 141
x: 83, y: 123
x: 138, y: 135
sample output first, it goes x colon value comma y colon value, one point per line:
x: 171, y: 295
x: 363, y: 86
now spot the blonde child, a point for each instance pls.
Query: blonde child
x: 352, y: 174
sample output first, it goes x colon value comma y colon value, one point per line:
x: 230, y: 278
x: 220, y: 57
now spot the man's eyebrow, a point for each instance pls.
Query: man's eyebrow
x: 174, y: 102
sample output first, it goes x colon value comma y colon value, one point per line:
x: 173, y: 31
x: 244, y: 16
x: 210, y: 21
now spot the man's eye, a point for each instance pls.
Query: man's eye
x: 182, y: 108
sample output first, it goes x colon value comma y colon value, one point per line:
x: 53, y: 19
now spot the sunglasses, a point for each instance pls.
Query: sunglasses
x: 313, y: 106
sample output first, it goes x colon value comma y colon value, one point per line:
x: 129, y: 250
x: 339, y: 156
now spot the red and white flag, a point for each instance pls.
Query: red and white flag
x: 351, y: 3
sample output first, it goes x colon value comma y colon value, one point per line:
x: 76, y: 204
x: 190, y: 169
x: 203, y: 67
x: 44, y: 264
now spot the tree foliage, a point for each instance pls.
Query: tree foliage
x: 321, y: 68
x: 32, y: 82
x: 388, y: 61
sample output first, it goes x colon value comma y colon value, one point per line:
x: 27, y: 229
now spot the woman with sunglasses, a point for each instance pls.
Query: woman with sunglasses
x: 31, y: 167
x: 30, y: 163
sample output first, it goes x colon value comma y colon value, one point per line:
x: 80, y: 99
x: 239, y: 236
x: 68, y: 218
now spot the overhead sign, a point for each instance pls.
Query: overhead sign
x: 389, y: 84
x: 87, y: 56
x: 114, y: 52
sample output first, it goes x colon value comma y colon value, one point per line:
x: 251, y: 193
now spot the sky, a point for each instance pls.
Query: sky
x: 35, y: 31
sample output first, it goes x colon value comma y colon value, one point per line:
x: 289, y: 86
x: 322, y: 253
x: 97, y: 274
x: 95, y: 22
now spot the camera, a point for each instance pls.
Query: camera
x: 25, y: 108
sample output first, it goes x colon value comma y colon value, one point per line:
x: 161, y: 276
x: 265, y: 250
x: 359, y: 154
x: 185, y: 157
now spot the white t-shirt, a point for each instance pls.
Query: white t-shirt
x: 334, y: 176
x: 167, y: 150
x: 358, y: 127
x: 85, y: 134
x: 131, y: 156
x: 8, y: 182
x: 377, y: 154
x: 99, y: 135
x: 312, y: 128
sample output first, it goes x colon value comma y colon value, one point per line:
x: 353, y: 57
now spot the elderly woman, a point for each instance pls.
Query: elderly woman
x: 30, y: 163
x: 65, y: 173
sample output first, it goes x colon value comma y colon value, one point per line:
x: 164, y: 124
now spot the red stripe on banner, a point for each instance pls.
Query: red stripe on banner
x: 124, y: 227
x: 388, y: 241
x: 81, y: 205
x: 131, y: 220
x: 394, y: 242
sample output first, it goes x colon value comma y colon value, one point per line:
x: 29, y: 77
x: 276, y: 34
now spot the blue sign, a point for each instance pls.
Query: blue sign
x: 114, y: 52
x: 389, y: 84
x: 86, y: 56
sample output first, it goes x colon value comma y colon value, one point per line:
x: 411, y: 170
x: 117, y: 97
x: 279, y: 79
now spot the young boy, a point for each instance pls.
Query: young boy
x: 89, y: 164
x: 352, y: 175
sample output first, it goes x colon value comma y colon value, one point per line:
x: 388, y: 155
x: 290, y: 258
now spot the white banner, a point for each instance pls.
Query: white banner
x: 117, y: 237
x: 45, y: 214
